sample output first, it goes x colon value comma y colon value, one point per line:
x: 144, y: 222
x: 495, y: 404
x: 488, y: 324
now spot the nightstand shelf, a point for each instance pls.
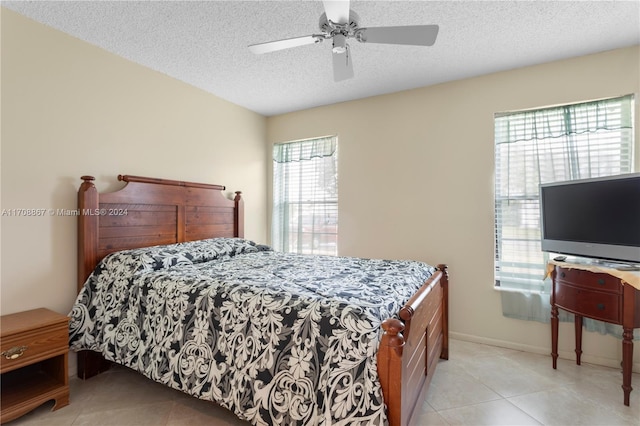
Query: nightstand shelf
x: 33, y: 365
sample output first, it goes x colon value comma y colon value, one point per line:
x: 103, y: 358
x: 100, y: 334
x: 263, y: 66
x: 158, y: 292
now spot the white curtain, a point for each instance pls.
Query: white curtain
x: 305, y: 196
x: 585, y: 140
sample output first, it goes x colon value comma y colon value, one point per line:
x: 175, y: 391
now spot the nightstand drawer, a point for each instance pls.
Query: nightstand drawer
x: 589, y: 280
x: 27, y: 348
x: 604, y: 306
x: 32, y: 336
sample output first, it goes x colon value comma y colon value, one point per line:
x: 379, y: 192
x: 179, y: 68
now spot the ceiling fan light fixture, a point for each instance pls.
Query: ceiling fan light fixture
x: 339, y: 43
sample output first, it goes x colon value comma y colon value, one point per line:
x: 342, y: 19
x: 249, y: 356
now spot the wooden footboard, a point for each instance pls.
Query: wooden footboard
x: 410, y: 348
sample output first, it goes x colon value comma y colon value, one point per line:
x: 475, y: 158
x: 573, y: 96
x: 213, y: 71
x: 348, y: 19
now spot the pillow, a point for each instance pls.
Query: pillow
x: 154, y: 258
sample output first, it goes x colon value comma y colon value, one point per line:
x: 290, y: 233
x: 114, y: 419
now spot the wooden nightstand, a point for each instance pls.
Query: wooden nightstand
x: 34, y: 363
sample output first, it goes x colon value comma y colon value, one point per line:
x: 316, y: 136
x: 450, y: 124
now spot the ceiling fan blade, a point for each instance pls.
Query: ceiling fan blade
x: 418, y: 35
x: 272, y: 46
x: 337, y: 11
x: 342, y: 66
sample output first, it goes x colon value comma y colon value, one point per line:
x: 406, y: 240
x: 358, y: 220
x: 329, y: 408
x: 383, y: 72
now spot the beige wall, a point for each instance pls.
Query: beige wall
x: 416, y: 176
x: 70, y: 109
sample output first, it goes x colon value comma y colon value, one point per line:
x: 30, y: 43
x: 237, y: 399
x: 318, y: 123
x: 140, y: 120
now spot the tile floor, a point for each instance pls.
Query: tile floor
x: 478, y: 385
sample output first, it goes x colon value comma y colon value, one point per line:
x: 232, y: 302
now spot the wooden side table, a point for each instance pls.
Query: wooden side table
x: 34, y: 347
x: 598, y: 293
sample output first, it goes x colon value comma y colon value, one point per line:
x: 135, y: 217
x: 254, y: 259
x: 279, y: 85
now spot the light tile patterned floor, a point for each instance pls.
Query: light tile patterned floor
x: 479, y: 385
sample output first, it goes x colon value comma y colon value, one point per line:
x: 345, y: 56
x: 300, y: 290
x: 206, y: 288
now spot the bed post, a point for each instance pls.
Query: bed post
x: 87, y: 229
x: 444, y: 282
x: 390, y: 368
x: 89, y: 363
x: 238, y: 222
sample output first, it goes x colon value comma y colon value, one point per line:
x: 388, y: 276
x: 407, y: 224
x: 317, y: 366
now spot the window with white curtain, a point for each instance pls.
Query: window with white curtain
x: 305, y: 196
x: 560, y: 143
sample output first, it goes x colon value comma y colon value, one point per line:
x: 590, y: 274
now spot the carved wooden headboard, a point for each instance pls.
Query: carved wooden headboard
x: 149, y: 212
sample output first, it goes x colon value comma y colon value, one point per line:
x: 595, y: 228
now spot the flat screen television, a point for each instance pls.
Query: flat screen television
x: 595, y: 218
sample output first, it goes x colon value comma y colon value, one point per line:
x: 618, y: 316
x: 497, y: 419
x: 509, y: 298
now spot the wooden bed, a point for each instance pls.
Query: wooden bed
x: 150, y: 211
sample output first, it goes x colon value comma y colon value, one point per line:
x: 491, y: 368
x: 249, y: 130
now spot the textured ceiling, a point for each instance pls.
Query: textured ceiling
x: 204, y: 43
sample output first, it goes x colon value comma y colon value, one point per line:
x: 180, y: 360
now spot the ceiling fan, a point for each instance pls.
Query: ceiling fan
x: 339, y: 23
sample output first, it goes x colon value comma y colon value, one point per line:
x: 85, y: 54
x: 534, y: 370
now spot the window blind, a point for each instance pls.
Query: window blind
x: 305, y: 196
x: 590, y: 139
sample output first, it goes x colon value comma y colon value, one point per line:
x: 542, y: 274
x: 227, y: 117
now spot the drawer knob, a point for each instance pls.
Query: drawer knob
x: 601, y: 281
x: 14, y: 353
x: 600, y: 306
x: 562, y: 274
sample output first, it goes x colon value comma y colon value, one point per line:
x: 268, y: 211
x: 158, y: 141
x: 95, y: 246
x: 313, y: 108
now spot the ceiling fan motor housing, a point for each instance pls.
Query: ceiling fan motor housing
x: 331, y: 28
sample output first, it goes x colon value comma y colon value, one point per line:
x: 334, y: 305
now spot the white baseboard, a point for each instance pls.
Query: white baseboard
x: 589, y: 359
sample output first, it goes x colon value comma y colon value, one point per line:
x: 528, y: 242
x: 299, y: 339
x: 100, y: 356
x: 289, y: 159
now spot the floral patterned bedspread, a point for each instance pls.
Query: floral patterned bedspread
x: 277, y: 338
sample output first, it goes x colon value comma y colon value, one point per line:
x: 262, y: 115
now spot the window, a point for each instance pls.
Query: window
x: 305, y: 196
x: 568, y: 142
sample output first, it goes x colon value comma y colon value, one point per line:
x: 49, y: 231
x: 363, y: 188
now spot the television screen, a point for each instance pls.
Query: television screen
x: 597, y: 218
